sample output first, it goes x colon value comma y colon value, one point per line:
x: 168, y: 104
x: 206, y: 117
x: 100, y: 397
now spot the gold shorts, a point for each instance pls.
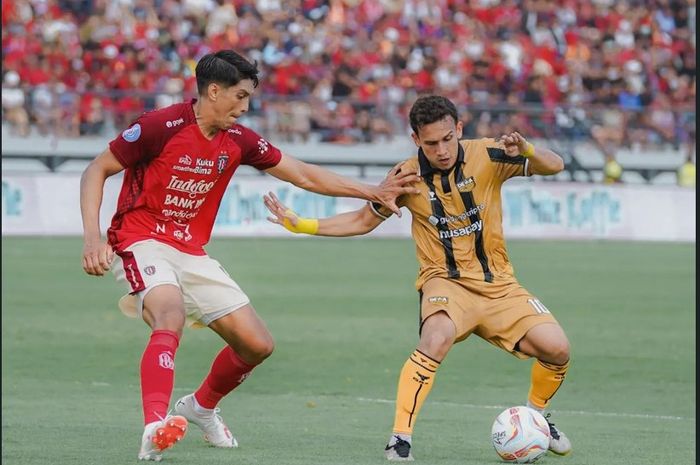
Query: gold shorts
x: 500, y: 313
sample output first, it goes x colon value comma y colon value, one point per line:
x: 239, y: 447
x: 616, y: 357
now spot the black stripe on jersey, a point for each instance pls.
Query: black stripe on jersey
x: 439, y: 212
x: 499, y: 156
x: 469, y: 204
x: 445, y: 181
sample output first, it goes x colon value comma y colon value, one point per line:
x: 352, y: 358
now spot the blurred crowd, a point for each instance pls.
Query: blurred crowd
x: 617, y: 72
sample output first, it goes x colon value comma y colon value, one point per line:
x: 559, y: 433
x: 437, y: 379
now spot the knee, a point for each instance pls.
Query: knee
x: 259, y: 350
x: 439, y: 341
x: 559, y: 352
x: 436, y: 340
x: 171, y: 320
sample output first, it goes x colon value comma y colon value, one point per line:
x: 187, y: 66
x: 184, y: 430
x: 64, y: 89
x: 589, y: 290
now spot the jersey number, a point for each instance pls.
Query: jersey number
x: 538, y: 306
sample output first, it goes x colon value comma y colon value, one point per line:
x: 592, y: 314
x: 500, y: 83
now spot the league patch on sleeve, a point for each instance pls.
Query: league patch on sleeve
x: 133, y: 133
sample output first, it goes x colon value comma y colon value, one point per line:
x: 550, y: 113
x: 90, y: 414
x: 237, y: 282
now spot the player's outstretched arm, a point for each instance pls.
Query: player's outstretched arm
x: 354, y: 223
x: 97, y: 254
x: 542, y: 161
x: 322, y: 181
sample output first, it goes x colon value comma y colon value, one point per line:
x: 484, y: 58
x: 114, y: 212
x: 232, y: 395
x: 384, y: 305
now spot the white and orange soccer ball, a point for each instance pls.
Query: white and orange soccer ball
x: 520, y: 435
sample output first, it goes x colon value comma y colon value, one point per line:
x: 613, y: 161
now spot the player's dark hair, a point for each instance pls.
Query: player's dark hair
x: 224, y: 67
x: 429, y: 109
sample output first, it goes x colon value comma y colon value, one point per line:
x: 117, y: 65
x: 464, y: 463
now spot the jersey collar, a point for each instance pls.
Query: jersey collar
x: 426, y: 168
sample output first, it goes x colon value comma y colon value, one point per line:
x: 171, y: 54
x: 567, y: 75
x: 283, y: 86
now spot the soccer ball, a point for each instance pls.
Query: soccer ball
x: 520, y: 435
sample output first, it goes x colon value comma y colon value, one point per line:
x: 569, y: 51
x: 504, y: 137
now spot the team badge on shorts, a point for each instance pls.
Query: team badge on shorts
x: 150, y: 270
x: 222, y: 162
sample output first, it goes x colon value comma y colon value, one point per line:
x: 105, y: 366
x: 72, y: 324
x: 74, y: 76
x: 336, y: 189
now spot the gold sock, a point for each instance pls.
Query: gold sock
x: 415, y: 381
x: 545, y: 380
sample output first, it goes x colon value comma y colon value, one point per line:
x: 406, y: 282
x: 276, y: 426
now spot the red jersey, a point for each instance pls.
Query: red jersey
x: 175, y: 177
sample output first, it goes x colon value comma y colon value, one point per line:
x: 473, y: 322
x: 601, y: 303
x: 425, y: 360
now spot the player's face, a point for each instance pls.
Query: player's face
x: 232, y: 102
x: 439, y: 141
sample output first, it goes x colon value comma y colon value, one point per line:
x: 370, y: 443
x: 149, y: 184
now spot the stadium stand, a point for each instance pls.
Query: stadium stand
x: 598, y: 79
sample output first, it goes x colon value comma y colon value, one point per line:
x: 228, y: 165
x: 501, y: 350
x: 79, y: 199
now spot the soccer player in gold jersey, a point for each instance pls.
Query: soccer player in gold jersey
x: 465, y: 281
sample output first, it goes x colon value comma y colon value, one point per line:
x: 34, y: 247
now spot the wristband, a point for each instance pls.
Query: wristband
x: 303, y: 226
x: 529, y: 151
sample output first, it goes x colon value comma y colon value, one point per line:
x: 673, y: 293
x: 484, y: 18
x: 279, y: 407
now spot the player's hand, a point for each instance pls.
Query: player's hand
x: 514, y: 143
x: 279, y: 211
x: 97, y: 257
x: 396, y: 183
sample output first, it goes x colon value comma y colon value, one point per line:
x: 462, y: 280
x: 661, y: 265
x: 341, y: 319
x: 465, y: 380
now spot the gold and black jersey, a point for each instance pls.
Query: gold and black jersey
x: 457, y: 217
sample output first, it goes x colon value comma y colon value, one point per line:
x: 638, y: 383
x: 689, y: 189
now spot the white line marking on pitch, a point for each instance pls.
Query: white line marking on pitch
x: 501, y: 407
x: 567, y: 412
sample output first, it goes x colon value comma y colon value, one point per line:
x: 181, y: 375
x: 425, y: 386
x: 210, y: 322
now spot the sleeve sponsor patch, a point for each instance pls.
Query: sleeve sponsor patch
x: 132, y: 134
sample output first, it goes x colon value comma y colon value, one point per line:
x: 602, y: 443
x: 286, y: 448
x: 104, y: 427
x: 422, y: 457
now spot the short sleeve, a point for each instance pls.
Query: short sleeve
x: 256, y: 150
x: 505, y: 167
x: 140, y: 141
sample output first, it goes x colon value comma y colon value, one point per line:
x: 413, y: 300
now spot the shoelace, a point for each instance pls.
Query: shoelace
x: 401, y: 446
x: 552, y: 430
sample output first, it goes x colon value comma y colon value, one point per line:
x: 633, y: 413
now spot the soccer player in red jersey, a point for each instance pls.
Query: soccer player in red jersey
x: 177, y: 163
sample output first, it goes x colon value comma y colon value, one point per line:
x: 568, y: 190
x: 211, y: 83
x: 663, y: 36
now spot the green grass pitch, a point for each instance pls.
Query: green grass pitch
x: 343, y: 313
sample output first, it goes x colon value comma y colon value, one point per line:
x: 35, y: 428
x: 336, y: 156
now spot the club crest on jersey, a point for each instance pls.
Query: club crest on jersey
x: 221, y: 163
x: 133, y: 133
x: 467, y: 185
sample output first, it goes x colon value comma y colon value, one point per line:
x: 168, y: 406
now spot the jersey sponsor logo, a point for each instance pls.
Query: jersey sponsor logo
x: 435, y: 220
x: 467, y: 185
x: 174, y: 123
x: 132, y: 134
x: 189, y: 186
x: 186, y: 165
x: 202, y: 165
x: 182, y: 202
x: 192, y: 169
x: 221, y: 162
x: 465, y: 231
x: 179, y: 214
x: 438, y: 299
